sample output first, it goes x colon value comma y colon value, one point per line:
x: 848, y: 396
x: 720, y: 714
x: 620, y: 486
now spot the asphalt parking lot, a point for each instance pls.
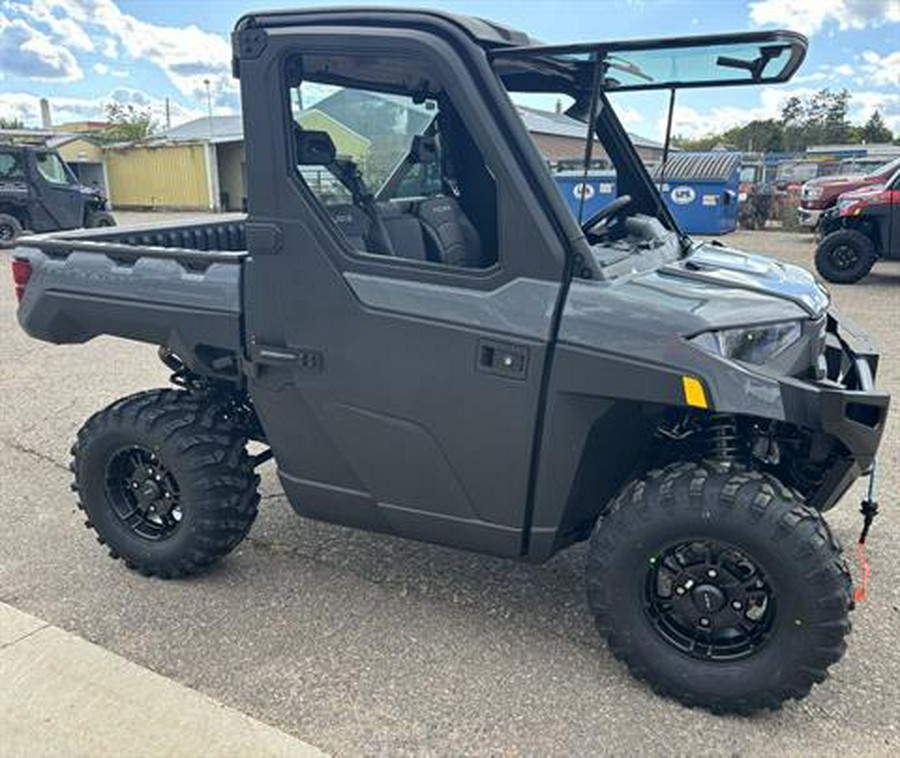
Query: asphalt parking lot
x: 361, y: 643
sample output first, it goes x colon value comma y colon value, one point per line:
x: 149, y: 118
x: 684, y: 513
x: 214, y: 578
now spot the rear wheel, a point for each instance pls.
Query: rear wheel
x: 10, y: 228
x: 718, y: 588
x: 165, y: 481
x: 100, y: 218
x: 845, y: 256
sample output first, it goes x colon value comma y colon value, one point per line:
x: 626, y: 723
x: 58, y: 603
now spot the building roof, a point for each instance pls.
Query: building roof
x: 873, y: 148
x: 231, y: 128
x: 561, y: 125
x: 715, y: 165
x: 217, y: 129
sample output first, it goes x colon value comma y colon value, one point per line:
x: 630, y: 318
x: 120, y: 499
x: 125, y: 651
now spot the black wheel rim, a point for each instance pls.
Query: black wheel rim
x: 143, y: 493
x: 709, y: 600
x: 844, y: 257
x: 7, y: 232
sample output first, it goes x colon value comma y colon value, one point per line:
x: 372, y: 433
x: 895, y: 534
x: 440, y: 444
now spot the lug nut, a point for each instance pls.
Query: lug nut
x: 679, y: 590
x: 737, y: 605
x: 712, y: 574
x: 704, y: 622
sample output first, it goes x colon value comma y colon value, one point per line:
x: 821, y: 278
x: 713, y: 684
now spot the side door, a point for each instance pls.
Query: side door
x: 60, y: 203
x: 399, y: 392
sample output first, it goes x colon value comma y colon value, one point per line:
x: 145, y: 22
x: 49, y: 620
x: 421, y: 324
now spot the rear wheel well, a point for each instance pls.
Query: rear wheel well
x: 17, y: 212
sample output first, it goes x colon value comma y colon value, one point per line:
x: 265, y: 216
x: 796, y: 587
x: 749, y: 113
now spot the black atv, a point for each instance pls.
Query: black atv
x: 433, y: 346
x: 863, y: 227
x: 39, y: 192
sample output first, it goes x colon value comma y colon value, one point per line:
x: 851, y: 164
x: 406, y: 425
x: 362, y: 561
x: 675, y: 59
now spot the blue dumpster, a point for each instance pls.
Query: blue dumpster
x: 699, y: 188
x: 598, y: 189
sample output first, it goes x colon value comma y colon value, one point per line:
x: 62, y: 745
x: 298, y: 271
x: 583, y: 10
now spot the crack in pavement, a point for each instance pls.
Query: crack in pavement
x: 25, y: 450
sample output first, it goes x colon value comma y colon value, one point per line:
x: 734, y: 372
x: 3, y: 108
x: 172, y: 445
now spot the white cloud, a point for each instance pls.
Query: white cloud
x: 26, y: 107
x: 628, y: 115
x: 809, y: 16
x: 187, y: 55
x: 692, y: 123
x: 60, y: 27
x: 31, y: 54
x: 881, y: 70
x: 101, y: 69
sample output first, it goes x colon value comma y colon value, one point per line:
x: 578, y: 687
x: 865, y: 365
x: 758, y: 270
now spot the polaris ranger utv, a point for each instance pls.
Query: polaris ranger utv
x: 39, y: 192
x: 432, y: 346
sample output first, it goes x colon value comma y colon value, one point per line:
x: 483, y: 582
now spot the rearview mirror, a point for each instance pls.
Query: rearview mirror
x: 314, y: 148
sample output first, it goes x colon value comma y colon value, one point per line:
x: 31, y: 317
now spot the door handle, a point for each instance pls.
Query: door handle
x: 503, y: 359
x: 302, y: 359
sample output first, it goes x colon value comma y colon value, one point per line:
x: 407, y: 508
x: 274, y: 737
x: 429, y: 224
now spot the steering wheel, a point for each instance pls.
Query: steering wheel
x: 605, y: 214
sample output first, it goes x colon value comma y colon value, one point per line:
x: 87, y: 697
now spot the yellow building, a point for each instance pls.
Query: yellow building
x: 85, y: 157
x: 200, y: 165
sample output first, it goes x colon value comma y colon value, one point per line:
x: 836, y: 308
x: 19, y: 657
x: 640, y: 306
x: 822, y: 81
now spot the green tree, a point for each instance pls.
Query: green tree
x: 876, y: 130
x: 128, y: 122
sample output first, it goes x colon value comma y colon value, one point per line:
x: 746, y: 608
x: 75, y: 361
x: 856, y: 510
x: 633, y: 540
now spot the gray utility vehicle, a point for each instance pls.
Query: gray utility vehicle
x: 39, y: 192
x: 453, y: 358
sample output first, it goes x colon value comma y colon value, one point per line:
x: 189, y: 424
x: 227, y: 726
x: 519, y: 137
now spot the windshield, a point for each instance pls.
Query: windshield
x: 885, y: 168
x: 634, y: 65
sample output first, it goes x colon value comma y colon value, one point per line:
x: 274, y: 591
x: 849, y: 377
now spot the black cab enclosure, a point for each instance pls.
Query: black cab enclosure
x: 39, y: 192
x: 433, y: 346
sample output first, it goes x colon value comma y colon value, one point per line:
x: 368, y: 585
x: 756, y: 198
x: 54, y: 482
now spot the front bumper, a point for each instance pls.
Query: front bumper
x: 808, y: 217
x: 845, y: 405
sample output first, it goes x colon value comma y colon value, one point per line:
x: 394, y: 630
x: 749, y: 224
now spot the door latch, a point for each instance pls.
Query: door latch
x: 307, y: 360
x: 503, y: 359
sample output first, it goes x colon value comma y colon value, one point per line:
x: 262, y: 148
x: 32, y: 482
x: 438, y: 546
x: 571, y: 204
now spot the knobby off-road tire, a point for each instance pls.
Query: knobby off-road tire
x: 845, y: 256
x: 10, y: 229
x: 159, y: 450
x: 801, y: 632
x: 99, y: 219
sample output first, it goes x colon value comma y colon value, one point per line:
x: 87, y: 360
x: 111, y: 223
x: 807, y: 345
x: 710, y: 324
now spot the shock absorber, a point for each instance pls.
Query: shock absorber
x: 723, y: 443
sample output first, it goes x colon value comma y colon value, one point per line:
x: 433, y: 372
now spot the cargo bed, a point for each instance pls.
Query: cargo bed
x: 173, y: 285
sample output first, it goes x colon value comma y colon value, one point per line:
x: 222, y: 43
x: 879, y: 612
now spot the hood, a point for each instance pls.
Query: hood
x: 859, y: 193
x: 713, y: 288
x: 727, y: 267
x: 827, y: 181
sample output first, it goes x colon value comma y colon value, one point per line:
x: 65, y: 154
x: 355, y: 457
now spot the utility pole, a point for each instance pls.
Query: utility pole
x: 212, y: 166
x: 209, y: 108
x: 168, y: 114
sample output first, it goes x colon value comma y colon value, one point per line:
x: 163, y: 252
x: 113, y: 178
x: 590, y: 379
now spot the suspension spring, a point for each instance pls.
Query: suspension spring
x: 723, y: 443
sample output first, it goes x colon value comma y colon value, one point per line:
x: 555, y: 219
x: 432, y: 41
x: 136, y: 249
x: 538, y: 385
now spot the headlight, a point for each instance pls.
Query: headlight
x: 753, y: 344
x: 813, y: 193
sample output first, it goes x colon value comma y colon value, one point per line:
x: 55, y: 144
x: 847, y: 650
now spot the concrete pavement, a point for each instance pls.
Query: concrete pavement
x: 61, y: 695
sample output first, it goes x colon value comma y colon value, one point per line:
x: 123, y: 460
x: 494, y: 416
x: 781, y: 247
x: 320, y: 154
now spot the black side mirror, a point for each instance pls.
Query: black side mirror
x: 314, y: 148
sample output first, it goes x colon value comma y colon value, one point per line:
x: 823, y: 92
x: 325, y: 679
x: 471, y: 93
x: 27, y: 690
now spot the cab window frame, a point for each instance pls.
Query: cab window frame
x: 348, y: 252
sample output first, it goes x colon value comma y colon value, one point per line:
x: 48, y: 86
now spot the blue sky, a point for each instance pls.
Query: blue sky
x: 82, y: 53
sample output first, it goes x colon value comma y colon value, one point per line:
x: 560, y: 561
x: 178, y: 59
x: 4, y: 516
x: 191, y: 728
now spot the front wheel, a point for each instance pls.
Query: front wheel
x: 718, y: 588
x: 100, y: 218
x: 165, y: 481
x: 845, y: 256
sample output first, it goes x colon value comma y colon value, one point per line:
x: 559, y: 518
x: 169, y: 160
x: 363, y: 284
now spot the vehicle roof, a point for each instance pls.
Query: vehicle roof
x: 483, y: 31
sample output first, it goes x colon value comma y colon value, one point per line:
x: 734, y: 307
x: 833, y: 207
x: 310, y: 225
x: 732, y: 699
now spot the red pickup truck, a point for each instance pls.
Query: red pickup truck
x: 818, y: 195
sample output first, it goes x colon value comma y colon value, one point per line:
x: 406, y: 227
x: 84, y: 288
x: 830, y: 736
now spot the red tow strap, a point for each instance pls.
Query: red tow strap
x: 865, y: 571
x: 869, y: 509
